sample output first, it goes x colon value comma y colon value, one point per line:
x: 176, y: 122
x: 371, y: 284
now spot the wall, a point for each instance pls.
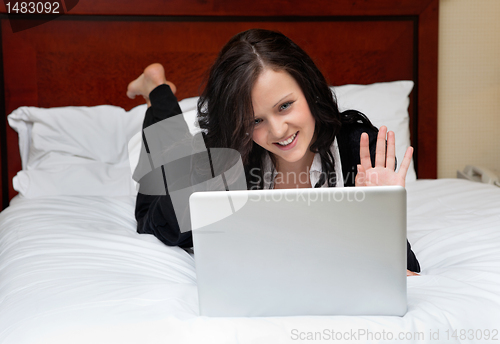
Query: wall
x: 469, y: 85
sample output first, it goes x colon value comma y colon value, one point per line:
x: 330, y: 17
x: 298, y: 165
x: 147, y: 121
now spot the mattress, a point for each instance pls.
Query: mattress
x: 74, y: 270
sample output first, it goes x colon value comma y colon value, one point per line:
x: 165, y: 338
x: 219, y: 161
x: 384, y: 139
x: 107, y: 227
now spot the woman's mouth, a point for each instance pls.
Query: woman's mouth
x: 288, y: 143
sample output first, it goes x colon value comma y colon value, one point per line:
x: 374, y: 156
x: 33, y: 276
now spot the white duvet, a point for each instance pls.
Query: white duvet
x: 74, y: 270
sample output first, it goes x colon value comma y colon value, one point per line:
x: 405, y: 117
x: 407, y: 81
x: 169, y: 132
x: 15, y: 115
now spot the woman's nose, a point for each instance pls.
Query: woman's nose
x: 277, y: 128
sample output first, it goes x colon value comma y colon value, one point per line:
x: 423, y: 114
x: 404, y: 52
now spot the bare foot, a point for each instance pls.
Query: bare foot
x: 153, y: 76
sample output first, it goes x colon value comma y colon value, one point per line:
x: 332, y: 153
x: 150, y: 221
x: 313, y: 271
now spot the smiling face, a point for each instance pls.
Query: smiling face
x: 284, y: 125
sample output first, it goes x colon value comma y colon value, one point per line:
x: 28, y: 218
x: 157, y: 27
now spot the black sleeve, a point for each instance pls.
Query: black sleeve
x: 155, y: 214
x: 348, y: 142
x: 411, y: 260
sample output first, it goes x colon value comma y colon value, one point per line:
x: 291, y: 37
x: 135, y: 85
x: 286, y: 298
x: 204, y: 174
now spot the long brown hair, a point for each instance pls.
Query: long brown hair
x: 225, y: 107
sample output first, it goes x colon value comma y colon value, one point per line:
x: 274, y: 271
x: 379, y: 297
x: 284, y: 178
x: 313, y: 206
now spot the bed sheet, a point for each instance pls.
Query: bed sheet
x: 74, y: 270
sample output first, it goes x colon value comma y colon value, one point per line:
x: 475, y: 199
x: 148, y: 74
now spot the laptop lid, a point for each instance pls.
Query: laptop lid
x: 322, y: 251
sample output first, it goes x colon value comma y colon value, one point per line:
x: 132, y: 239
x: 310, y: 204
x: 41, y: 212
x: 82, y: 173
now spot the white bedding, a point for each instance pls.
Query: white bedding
x: 73, y: 270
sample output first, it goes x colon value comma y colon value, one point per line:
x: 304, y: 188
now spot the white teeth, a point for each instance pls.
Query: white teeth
x: 287, y: 142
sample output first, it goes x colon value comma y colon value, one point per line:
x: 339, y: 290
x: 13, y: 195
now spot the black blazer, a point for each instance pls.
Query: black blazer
x: 155, y: 214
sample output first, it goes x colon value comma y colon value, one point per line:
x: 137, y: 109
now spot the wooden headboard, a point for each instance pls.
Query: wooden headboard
x: 88, y: 55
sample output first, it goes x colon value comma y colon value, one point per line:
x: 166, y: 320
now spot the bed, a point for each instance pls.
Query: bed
x: 72, y: 267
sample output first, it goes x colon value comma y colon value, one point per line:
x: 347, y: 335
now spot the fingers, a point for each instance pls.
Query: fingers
x: 390, y: 162
x: 405, y: 164
x: 385, y: 154
x: 360, y: 176
x: 380, y: 150
x: 364, y: 152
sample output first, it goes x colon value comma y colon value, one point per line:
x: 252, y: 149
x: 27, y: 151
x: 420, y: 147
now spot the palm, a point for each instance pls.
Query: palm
x: 383, y: 172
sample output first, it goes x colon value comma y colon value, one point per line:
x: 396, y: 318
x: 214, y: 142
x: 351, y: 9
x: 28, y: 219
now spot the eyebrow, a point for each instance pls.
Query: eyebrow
x: 281, y: 100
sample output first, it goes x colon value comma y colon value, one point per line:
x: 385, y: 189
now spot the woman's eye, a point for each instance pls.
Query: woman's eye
x: 285, y: 106
x: 257, y: 121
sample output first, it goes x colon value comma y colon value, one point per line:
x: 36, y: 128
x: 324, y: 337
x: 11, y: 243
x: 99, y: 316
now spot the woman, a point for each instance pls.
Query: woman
x: 266, y: 99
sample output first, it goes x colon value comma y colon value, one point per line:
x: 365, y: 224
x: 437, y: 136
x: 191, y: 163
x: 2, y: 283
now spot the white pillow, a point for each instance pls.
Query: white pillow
x: 83, y: 150
x: 75, y: 150
x: 386, y: 104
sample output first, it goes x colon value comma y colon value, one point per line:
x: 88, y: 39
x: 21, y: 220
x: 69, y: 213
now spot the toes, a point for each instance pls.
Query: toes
x: 130, y: 95
x: 130, y: 92
x: 134, y: 88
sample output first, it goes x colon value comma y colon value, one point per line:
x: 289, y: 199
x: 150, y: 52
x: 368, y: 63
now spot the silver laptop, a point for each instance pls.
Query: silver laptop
x: 327, y: 251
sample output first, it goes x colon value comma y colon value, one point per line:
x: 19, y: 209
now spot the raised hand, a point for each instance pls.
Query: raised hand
x: 383, y: 172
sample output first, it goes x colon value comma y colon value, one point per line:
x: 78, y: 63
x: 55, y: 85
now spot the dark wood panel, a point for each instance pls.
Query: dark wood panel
x: 4, y: 197
x: 89, y: 60
x: 320, y: 8
x: 428, y: 92
x: 246, y: 7
x: 91, y: 63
